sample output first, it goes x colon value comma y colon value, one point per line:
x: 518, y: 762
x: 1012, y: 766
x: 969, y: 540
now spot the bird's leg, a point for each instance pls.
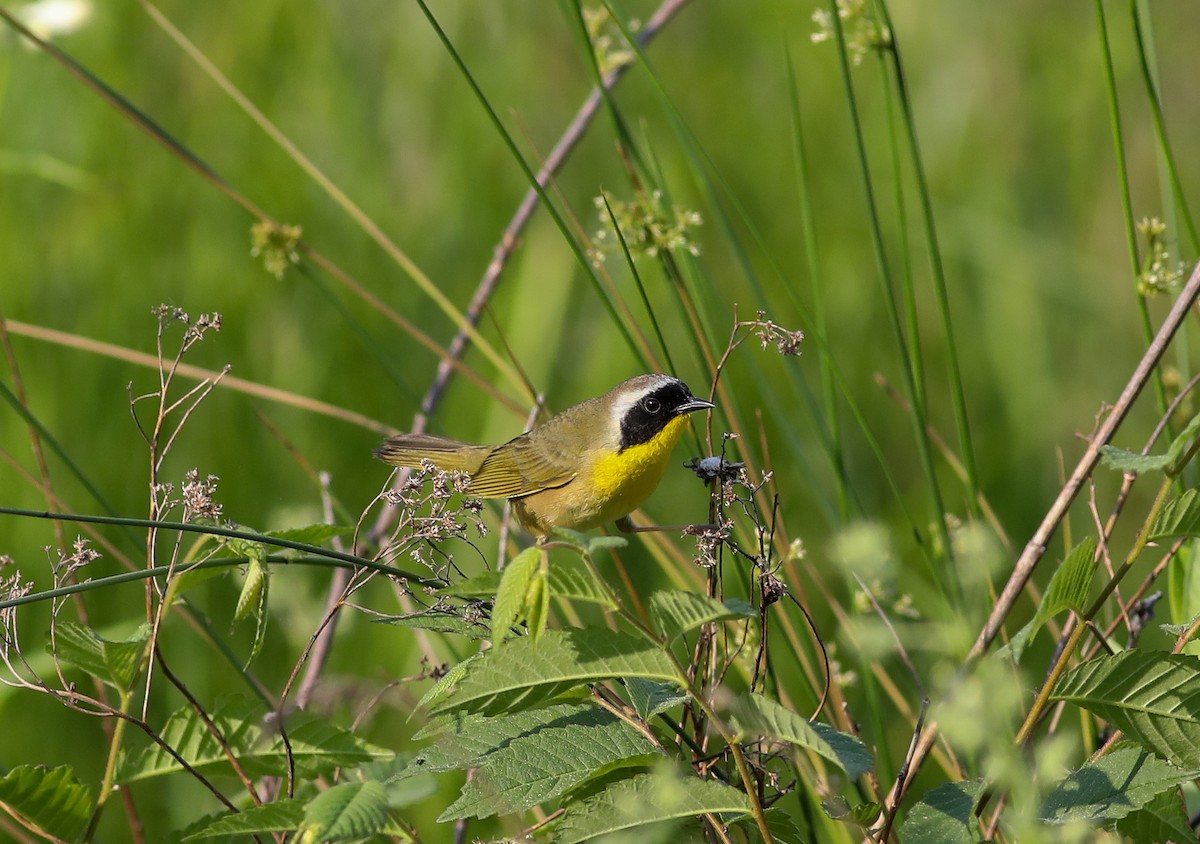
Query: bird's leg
x: 625, y: 525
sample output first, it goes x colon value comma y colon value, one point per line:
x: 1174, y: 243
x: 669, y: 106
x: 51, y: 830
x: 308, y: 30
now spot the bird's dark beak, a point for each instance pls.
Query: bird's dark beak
x: 694, y: 404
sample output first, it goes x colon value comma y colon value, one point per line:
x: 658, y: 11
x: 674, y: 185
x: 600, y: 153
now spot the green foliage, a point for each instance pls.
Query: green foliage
x: 674, y: 613
x: 1150, y: 695
x: 523, y: 674
x: 933, y: 414
x: 528, y: 758
x: 113, y: 663
x: 52, y: 799
x: 946, y: 815
x: 1109, y: 789
x: 314, y: 744
x: 761, y: 717
x: 1068, y: 590
x: 647, y: 799
x: 515, y: 598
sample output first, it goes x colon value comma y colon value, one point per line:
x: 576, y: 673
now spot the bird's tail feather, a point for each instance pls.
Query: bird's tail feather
x: 409, y: 450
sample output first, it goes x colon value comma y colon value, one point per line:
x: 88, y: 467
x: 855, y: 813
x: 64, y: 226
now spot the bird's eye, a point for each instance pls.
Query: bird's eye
x: 651, y: 405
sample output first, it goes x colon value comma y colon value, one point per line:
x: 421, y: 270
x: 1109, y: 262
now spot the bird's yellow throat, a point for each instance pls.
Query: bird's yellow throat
x: 624, y: 473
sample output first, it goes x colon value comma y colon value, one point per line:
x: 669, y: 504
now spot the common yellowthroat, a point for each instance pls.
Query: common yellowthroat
x: 591, y: 464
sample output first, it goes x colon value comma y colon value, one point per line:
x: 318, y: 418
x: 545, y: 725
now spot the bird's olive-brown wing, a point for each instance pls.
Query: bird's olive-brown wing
x: 522, y: 467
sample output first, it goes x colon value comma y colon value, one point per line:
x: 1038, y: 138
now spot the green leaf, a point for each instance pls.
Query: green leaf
x: 528, y: 758
x: 650, y: 698
x: 280, y: 816
x: 345, y: 812
x: 1178, y: 517
x: 437, y: 622
x: 51, y: 799
x: 1164, y: 818
x: 114, y: 663
x: 519, y: 676
x: 572, y: 578
x: 254, y: 587
x: 1153, y: 696
x: 1183, y: 585
x: 247, y: 548
x: 513, y: 594
x: 1068, y: 590
x: 442, y: 689
x: 1110, y: 788
x: 646, y: 799
x: 1122, y: 460
x: 253, y: 601
x: 945, y: 815
x: 674, y: 613
x: 482, y: 585
x: 596, y: 544
x: 318, y: 746
x: 316, y: 534
x: 537, y: 606
x: 1071, y: 584
x: 758, y: 716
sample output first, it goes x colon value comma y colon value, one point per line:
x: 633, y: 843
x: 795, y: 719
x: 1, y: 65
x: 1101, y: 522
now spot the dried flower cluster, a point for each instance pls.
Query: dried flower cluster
x: 433, y: 508
x: 785, y: 340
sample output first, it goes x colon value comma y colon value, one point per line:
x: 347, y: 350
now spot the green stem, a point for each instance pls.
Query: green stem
x: 1072, y: 643
x: 110, y: 766
x: 215, y: 530
x: 739, y: 758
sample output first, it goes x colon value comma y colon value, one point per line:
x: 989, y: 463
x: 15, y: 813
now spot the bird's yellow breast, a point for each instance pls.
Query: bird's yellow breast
x: 628, y: 477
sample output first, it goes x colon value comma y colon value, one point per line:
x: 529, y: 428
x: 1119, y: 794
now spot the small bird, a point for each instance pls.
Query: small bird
x: 593, y: 463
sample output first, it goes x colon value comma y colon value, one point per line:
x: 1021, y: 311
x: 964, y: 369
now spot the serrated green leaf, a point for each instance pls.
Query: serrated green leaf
x: 51, y: 799
x: 317, y: 745
x: 279, y: 816
x: 247, y: 548
x: 436, y: 622
x: 596, y: 544
x: 1071, y: 584
x: 483, y: 585
x: 253, y: 587
x: 519, y: 676
x: 571, y: 578
x: 528, y: 758
x: 1181, y: 443
x: 1164, y: 818
x: 1068, y: 590
x: 315, y: 534
x: 674, y: 613
x: 513, y: 593
x: 441, y: 690
x: 646, y: 799
x: 1178, y: 517
x: 1114, y: 785
x: 650, y: 698
x: 1153, y: 696
x: 783, y: 828
x: 1122, y: 460
x: 945, y: 815
x: 252, y: 601
x: 345, y: 812
x: 113, y: 663
x: 758, y: 716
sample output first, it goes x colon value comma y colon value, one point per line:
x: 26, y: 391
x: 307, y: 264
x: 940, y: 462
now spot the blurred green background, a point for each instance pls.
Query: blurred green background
x: 99, y: 223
